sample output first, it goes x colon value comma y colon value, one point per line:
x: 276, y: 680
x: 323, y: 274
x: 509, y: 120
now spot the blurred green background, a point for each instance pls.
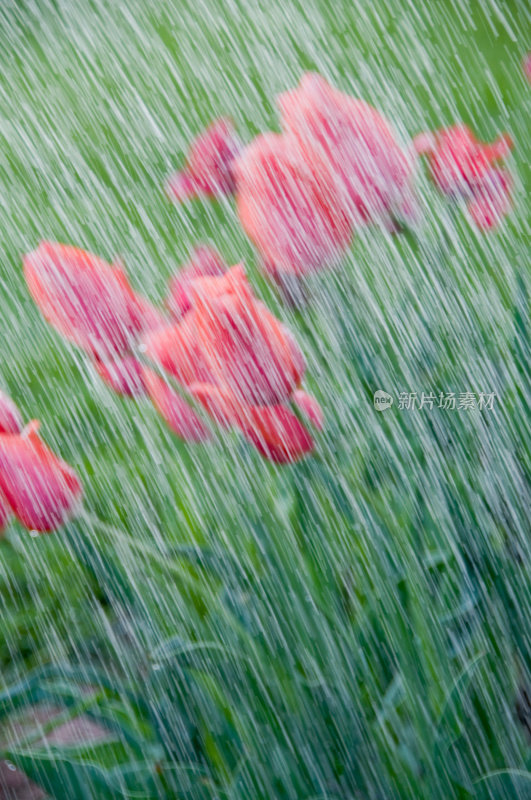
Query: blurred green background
x: 377, y: 595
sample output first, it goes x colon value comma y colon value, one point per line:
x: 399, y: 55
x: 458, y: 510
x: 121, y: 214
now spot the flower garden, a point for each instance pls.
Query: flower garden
x: 264, y: 402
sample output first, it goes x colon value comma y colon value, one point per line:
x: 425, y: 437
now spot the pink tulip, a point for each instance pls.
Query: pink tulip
x: 374, y: 174
x: 208, y: 168
x: 239, y: 363
x: 289, y: 206
x: 41, y: 490
x: 83, y: 297
x: 92, y: 304
x: 463, y: 167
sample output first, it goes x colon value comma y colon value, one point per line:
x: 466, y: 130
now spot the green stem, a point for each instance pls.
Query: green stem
x: 161, y: 559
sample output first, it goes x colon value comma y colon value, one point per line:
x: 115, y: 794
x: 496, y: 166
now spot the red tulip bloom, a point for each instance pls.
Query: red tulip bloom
x: 245, y: 347
x: 82, y: 297
x: 10, y: 417
x: 41, y: 490
x: 289, y: 206
x: 463, y: 167
x: 205, y: 262
x: 92, y: 304
x: 239, y: 362
x: 373, y: 172
x: 87, y: 300
x: 208, y: 168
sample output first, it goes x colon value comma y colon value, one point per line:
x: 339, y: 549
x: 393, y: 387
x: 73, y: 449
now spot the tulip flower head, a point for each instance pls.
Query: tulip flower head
x: 372, y: 171
x: 208, y: 167
x: 40, y: 489
x: 92, y: 304
x: 240, y: 363
x: 83, y: 298
x: 463, y: 167
x: 289, y: 206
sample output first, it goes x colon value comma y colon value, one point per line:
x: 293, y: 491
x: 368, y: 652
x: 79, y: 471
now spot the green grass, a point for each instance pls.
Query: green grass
x: 355, y: 626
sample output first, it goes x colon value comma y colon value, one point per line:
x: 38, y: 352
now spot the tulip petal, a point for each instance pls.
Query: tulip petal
x: 82, y: 297
x: 208, y: 169
x: 218, y: 401
x: 289, y: 206
x: 125, y: 375
x: 176, y: 348
x: 492, y: 199
x: 371, y: 169
x: 460, y: 163
x: 41, y: 489
x: 204, y: 262
x: 309, y: 406
x: 245, y: 347
x: 182, y: 186
x: 276, y: 433
x: 5, y: 514
x: 10, y: 417
x: 499, y: 149
x: 424, y: 143
x: 175, y: 411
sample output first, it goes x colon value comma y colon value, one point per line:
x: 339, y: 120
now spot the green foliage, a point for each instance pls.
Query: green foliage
x: 354, y: 626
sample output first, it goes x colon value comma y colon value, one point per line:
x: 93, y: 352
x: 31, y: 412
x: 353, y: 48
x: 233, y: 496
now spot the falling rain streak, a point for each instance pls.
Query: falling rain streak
x: 264, y: 385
